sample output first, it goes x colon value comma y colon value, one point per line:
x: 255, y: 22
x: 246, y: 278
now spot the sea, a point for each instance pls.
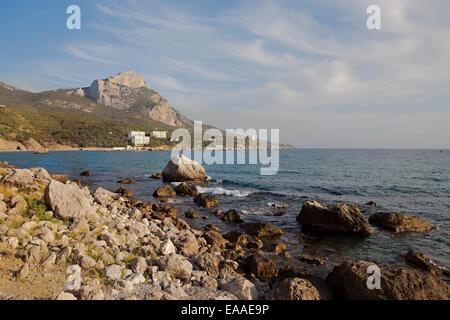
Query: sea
x: 412, y: 181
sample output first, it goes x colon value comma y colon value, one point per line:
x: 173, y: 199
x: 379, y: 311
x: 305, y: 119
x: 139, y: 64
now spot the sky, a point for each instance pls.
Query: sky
x: 309, y: 68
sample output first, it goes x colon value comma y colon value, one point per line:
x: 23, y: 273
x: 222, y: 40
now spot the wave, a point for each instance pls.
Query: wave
x: 223, y: 191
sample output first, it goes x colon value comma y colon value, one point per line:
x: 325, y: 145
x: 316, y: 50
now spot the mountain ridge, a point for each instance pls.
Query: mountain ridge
x: 96, y: 116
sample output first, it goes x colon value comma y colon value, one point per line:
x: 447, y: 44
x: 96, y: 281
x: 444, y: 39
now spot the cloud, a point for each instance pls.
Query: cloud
x: 302, y: 66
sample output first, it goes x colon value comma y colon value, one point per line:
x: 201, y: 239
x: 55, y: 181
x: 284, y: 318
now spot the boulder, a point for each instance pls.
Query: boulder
x: 263, y: 268
x: 399, y: 222
x: 209, y: 263
x: 236, y: 237
x: 349, y: 280
x: 86, y: 173
x: 342, y: 218
x: 124, y: 192
x: 176, y: 265
x: 156, y: 176
x: 19, y: 178
x: 126, y: 181
x: 241, y: 288
x: 68, y: 200
x: 41, y: 174
x: 61, y: 178
x: 262, y: 229
x: 186, y: 190
x: 232, y: 216
x: 296, y: 289
x: 182, y: 168
x: 421, y: 261
x: 114, y: 272
x: 206, y: 201
x: 105, y: 197
x: 215, y: 239
x: 191, y: 214
x: 165, y: 191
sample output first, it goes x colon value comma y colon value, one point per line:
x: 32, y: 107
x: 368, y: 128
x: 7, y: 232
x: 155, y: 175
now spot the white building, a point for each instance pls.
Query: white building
x: 133, y: 134
x: 158, y: 134
x: 140, y: 141
x: 138, y: 138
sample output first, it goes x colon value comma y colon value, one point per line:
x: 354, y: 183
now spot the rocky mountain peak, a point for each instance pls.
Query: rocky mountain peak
x: 129, y: 79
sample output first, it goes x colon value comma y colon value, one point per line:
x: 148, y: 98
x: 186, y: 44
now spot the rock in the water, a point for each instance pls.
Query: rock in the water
x: 232, y: 216
x: 312, y: 260
x: 206, y: 201
x: 263, y: 268
x: 262, y: 229
x: 421, y: 261
x: 350, y: 281
x: 186, y: 190
x: 68, y: 200
x: 342, y: 218
x: 399, y: 222
x: 296, y: 289
x: 165, y: 191
x: 182, y: 168
x: 126, y: 181
x: 191, y: 214
x: 176, y: 265
x: 86, y: 173
x: 156, y: 176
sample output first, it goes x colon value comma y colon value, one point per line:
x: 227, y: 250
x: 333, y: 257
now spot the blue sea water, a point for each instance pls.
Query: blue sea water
x: 413, y: 181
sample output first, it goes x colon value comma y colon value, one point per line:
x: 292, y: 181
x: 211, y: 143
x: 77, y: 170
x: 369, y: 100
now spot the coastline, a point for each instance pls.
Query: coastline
x: 233, y: 265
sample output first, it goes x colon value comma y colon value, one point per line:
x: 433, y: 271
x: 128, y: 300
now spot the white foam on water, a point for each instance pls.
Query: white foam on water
x: 222, y: 191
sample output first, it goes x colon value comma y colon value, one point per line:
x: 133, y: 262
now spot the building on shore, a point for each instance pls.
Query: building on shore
x: 138, y: 138
x: 158, y: 134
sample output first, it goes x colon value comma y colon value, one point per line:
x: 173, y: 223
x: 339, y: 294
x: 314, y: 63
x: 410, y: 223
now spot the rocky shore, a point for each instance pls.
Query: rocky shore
x: 61, y: 240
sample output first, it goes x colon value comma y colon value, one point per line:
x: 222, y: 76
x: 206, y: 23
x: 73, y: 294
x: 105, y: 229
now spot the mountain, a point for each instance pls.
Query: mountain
x: 129, y: 91
x: 100, y: 115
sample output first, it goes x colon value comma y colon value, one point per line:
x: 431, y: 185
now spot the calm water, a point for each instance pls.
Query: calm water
x: 414, y: 181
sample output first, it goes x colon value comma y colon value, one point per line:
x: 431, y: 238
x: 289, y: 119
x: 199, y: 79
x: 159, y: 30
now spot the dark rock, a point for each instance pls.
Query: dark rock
x: 371, y: 204
x: 262, y: 229
x: 210, y: 227
x: 191, y: 214
x: 278, y: 247
x: 349, y: 280
x: 421, y: 261
x: 399, y: 222
x: 232, y: 216
x: 312, y: 260
x: 236, y: 237
x: 169, y: 210
x: 255, y: 244
x: 186, y: 190
x: 86, y: 173
x: 215, y: 239
x: 343, y: 218
x: 156, y: 176
x: 206, y: 201
x: 165, y: 191
x: 124, y: 192
x: 126, y: 181
x: 263, y: 268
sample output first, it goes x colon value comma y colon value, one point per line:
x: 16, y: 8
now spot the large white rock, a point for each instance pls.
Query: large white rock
x: 182, y: 168
x: 68, y: 200
x: 176, y: 265
x: 19, y: 178
x: 241, y: 288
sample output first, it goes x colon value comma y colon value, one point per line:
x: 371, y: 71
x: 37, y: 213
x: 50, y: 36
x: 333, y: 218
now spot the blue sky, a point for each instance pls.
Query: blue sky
x: 309, y: 68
